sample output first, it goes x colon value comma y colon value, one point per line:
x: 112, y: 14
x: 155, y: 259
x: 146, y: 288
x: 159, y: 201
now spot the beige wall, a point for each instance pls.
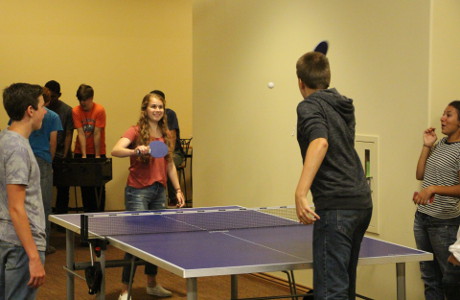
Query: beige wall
x: 245, y: 150
x: 445, y: 65
x: 390, y: 56
x: 124, y: 49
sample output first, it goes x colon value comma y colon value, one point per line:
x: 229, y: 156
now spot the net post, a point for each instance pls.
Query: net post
x: 84, y: 227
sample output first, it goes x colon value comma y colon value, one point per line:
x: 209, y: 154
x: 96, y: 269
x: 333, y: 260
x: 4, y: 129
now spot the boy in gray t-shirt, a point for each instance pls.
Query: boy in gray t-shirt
x: 22, y: 218
x: 19, y: 167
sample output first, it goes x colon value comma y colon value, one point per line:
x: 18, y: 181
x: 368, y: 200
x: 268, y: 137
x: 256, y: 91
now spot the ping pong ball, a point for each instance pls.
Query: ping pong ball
x: 271, y: 85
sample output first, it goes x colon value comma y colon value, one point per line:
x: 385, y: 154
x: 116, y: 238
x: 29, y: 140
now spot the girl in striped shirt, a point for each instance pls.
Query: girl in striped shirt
x: 438, y: 214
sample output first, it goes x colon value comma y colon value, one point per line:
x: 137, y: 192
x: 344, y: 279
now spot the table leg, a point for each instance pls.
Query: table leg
x: 101, y: 294
x: 192, y: 288
x: 191, y: 178
x: 131, y: 276
x: 70, y: 259
x: 234, y: 287
x: 401, y: 281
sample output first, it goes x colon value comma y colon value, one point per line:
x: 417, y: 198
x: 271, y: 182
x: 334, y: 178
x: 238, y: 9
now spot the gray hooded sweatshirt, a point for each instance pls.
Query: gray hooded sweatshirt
x: 340, y: 182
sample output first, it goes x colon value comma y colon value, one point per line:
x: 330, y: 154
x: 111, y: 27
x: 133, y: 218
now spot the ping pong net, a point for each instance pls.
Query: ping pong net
x: 96, y: 226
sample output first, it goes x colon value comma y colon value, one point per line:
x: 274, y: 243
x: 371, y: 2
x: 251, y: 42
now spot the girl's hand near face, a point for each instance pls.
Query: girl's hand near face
x: 429, y: 137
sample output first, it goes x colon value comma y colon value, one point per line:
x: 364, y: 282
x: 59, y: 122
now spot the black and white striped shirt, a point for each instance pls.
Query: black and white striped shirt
x: 442, y: 167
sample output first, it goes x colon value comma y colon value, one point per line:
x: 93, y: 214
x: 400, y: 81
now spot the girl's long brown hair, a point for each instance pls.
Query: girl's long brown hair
x: 143, y: 138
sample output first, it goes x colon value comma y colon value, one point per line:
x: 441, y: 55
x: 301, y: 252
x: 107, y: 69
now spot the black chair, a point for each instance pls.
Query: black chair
x: 185, y: 143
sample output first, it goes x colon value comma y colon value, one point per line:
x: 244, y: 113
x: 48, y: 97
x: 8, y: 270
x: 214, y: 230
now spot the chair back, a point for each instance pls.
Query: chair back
x: 185, y: 144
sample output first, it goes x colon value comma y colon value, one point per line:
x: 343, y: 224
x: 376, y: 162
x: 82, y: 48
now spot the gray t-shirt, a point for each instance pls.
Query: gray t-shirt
x: 18, y: 166
x: 442, y: 168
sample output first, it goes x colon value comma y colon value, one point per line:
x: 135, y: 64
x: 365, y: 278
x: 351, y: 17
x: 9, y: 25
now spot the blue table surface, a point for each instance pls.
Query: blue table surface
x: 223, y: 248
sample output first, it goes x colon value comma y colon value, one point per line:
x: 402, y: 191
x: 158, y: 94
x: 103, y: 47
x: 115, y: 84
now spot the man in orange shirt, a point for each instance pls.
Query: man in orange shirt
x: 89, y: 120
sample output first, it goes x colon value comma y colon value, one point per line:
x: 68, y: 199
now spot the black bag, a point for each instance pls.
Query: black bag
x: 93, y: 275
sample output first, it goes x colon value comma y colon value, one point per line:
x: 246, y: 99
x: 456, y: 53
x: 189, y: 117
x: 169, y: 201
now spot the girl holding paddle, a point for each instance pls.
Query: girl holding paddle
x: 148, y: 174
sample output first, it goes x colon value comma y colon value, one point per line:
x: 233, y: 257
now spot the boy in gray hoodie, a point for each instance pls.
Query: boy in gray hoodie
x: 334, y: 174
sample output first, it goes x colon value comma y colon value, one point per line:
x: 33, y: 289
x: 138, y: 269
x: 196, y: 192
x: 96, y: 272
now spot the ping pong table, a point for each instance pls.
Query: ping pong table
x: 207, y: 248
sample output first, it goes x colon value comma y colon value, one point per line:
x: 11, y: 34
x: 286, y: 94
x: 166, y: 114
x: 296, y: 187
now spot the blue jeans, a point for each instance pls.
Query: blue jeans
x: 14, y: 272
x: 149, y: 198
x: 337, y: 237
x: 441, y: 278
x: 46, y: 185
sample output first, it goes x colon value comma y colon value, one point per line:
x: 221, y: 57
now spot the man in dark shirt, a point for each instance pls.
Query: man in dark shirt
x: 64, y: 140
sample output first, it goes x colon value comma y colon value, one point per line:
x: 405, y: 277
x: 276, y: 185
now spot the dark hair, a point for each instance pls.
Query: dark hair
x: 456, y: 104
x: 84, y: 92
x: 54, y: 86
x: 18, y: 97
x: 313, y: 69
x: 46, y: 95
x: 159, y: 93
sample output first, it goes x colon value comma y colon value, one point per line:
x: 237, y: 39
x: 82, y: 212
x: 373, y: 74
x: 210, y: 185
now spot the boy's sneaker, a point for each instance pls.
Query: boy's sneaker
x: 124, y: 296
x: 50, y: 250
x: 158, y: 291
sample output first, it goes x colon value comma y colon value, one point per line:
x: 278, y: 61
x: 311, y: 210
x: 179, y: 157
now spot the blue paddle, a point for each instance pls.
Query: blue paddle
x: 322, y: 47
x: 158, y: 149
